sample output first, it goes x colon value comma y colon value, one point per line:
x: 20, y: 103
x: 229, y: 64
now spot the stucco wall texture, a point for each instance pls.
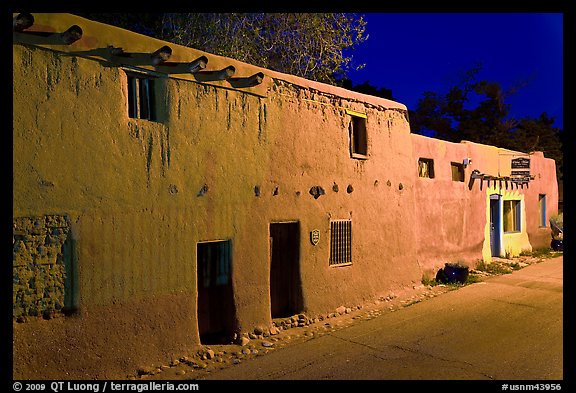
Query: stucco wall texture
x: 222, y: 163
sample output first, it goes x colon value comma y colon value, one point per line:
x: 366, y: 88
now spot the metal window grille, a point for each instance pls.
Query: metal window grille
x: 340, y: 242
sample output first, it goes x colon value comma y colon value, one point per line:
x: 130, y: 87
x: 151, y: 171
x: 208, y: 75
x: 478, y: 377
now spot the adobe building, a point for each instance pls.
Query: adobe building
x: 164, y: 198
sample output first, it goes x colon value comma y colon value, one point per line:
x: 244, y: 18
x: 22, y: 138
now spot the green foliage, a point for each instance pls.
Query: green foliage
x: 542, y: 253
x: 493, y: 267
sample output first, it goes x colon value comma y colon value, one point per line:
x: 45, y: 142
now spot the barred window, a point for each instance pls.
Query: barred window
x: 340, y: 242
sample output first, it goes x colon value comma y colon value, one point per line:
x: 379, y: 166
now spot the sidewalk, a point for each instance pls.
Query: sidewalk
x: 213, y: 358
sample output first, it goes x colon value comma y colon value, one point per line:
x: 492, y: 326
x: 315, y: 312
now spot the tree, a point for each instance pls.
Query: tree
x: 310, y: 45
x: 477, y: 111
x: 539, y: 134
x: 367, y: 88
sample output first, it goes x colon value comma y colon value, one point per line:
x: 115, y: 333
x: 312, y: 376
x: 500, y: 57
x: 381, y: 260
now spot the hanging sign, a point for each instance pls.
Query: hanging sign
x: 520, y: 172
x: 520, y: 163
x: 315, y: 236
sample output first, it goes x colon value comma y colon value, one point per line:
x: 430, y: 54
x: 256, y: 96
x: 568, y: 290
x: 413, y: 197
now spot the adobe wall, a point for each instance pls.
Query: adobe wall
x: 454, y: 221
x: 308, y: 135
x: 451, y: 219
x: 219, y: 164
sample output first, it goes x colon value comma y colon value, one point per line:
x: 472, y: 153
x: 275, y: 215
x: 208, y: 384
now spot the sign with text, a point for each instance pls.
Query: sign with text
x: 521, y: 163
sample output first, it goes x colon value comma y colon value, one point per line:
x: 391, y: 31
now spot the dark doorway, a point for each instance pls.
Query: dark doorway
x: 285, y: 284
x: 495, y: 224
x: 216, y: 310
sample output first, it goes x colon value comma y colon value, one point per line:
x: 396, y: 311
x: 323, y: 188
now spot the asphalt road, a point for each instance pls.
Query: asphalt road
x: 508, y: 327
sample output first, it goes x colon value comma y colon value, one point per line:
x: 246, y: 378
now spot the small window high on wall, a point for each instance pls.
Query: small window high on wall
x: 141, y: 103
x: 457, y: 171
x: 426, y: 167
x: 358, y: 135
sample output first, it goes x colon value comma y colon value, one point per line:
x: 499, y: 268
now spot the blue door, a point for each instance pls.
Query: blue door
x: 495, y: 225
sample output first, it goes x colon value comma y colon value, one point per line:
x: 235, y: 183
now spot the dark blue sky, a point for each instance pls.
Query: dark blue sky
x: 410, y: 53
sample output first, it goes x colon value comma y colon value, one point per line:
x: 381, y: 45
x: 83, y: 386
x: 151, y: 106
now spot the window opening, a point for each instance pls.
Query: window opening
x: 457, y: 171
x: 512, y: 216
x: 141, y: 90
x: 358, y: 135
x: 340, y: 242
x: 542, y: 209
x: 426, y: 167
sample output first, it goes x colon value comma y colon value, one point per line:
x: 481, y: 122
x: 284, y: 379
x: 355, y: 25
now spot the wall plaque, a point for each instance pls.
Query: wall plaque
x: 315, y: 236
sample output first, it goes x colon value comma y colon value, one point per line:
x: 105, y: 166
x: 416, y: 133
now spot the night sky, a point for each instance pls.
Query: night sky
x: 411, y: 53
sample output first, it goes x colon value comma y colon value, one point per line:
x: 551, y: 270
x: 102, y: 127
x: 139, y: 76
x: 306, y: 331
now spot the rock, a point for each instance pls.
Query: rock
x: 258, y: 330
x: 348, y: 310
x: 236, y: 361
x: 267, y: 344
x: 209, y: 354
x: 340, y: 310
x: 252, y: 336
x: 180, y: 372
x: 174, y: 363
x: 201, y: 365
x: 146, y: 370
x: 246, y: 351
x: 274, y: 331
x: 243, y: 341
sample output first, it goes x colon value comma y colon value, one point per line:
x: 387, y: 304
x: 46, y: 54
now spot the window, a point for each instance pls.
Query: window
x: 457, y: 171
x: 512, y: 216
x: 426, y: 167
x: 542, y: 209
x: 214, y: 263
x: 340, y: 242
x: 358, y: 135
x: 141, y: 97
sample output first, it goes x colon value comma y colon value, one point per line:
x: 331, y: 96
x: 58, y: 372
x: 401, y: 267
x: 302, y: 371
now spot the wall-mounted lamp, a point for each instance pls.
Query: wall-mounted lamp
x: 466, y: 162
x: 73, y: 34
x: 161, y: 55
x: 22, y: 22
x: 198, y: 64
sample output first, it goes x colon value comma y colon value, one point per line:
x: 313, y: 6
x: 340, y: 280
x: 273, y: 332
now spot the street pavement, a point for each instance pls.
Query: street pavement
x: 508, y: 327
